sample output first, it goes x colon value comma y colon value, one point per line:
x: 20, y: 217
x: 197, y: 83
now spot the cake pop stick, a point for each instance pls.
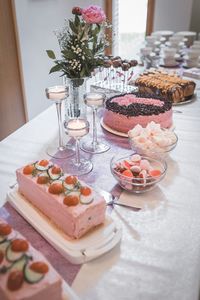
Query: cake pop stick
x: 107, y: 64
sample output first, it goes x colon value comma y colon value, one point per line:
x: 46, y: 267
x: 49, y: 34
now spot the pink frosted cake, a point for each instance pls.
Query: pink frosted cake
x: 24, y: 272
x: 124, y: 112
x: 69, y: 203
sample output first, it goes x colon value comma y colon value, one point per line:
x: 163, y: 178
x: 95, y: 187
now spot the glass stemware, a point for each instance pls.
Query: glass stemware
x: 94, y: 100
x: 58, y: 94
x: 77, y: 128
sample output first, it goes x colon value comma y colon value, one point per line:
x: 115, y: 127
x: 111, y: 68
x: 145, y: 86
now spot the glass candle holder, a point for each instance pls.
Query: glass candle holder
x: 94, y: 100
x: 58, y: 94
x: 77, y: 128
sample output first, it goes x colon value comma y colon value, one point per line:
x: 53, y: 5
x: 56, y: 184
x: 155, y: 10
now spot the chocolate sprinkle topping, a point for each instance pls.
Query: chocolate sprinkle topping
x: 137, y: 109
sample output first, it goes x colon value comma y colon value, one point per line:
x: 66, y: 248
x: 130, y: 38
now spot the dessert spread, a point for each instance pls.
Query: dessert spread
x: 68, y: 202
x: 24, y: 272
x: 169, y: 86
x: 152, y: 138
x: 124, y: 112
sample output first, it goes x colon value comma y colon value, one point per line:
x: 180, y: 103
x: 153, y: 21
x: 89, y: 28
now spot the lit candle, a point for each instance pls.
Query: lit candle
x: 94, y: 99
x: 77, y: 128
x: 57, y: 92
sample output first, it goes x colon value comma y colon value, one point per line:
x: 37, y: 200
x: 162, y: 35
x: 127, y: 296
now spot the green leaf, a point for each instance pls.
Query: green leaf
x: 96, y: 30
x: 51, y: 54
x: 77, y: 21
x: 55, y: 68
x: 68, y: 54
x: 73, y: 27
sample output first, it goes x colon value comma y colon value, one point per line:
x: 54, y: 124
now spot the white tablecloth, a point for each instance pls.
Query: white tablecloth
x: 159, y: 257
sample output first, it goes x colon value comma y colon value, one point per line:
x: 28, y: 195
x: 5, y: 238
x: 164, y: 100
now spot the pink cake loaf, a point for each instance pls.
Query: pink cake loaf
x: 69, y: 203
x: 24, y: 272
x: 122, y: 113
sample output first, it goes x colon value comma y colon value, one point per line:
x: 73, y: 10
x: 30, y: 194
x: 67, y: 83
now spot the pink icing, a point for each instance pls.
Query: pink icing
x: 129, y: 99
x: 75, y: 221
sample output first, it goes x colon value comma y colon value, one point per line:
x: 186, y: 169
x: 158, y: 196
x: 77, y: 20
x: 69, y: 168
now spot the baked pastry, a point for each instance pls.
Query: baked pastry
x: 24, y: 272
x: 68, y: 202
x: 124, y: 112
x: 168, y: 86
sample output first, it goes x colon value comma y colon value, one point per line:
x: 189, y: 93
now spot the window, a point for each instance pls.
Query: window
x: 132, y: 20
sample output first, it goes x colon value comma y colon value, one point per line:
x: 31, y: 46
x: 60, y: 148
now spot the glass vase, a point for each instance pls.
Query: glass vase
x: 74, y: 104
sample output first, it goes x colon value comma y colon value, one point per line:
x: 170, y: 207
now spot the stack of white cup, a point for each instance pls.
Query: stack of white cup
x: 163, y: 33
x: 192, y: 58
x: 149, y: 57
x: 196, y: 45
x: 190, y: 35
x: 177, y: 42
x: 169, y: 57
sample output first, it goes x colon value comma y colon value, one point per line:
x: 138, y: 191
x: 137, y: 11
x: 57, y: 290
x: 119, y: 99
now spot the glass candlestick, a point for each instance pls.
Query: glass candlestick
x: 94, y: 100
x: 58, y: 94
x: 77, y: 128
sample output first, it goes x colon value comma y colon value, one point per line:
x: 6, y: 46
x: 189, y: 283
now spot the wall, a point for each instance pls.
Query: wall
x: 36, y: 21
x: 172, y: 15
x: 195, y: 19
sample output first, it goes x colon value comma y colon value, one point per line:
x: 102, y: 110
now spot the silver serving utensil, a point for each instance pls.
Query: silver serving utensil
x: 12, y: 185
x: 112, y: 200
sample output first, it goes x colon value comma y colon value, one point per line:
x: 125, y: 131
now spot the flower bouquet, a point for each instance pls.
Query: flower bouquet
x: 82, y: 42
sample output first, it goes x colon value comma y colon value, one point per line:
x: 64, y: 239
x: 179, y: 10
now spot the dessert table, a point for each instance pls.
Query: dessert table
x: 159, y: 255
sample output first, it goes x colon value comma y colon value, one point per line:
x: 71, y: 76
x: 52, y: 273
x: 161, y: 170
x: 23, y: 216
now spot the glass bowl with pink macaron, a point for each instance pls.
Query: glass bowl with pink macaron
x: 152, y: 140
x: 136, y: 173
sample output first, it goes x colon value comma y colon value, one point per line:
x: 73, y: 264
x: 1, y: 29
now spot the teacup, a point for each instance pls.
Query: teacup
x: 190, y: 35
x: 176, y: 39
x: 151, y: 39
x: 195, y: 47
x: 196, y: 43
x: 169, y: 61
x: 146, y: 51
x: 169, y: 52
x: 193, y: 53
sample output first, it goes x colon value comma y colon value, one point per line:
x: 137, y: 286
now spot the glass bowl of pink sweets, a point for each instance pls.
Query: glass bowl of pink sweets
x: 136, y: 173
x: 152, y: 140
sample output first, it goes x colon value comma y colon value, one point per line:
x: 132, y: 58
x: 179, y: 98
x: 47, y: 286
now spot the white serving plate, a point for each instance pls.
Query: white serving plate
x: 113, y: 131
x: 97, y: 242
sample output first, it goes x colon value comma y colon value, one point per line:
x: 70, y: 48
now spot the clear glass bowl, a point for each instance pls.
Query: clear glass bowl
x: 156, y: 152
x: 138, y: 185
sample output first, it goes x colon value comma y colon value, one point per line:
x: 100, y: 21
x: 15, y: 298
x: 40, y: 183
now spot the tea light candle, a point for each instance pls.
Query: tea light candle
x: 77, y: 127
x: 94, y: 99
x: 57, y: 92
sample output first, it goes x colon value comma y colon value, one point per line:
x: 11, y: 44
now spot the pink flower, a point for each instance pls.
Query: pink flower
x: 93, y: 14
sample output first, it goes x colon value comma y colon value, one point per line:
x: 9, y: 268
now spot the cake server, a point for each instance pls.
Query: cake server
x: 113, y: 200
